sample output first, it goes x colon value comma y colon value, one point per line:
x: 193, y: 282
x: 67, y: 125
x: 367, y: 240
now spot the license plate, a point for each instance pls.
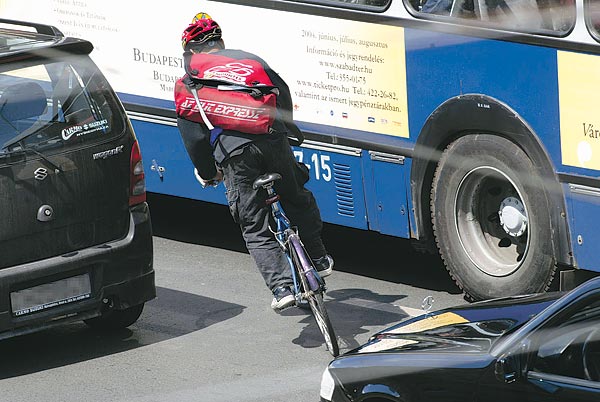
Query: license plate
x: 48, y: 295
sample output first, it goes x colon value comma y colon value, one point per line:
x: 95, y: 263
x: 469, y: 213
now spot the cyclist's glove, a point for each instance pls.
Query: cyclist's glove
x: 214, y: 182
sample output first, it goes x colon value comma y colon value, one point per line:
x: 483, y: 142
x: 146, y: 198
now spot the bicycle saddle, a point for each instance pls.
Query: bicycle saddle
x: 265, y: 179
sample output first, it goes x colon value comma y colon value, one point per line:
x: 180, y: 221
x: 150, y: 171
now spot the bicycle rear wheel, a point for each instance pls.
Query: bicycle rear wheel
x: 314, y: 298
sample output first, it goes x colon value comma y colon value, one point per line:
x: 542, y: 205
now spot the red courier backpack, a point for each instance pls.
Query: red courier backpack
x: 233, y: 94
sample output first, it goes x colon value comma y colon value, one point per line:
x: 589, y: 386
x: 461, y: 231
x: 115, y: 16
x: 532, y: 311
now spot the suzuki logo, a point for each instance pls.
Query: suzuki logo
x: 40, y: 173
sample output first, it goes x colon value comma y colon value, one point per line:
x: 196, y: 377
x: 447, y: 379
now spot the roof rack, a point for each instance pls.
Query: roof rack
x: 40, y: 28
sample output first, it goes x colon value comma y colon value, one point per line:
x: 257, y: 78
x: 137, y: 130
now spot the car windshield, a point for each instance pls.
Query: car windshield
x: 13, y: 41
x: 55, y: 105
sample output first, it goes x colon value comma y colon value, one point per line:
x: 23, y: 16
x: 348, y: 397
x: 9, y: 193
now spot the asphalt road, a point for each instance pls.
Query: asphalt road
x: 211, y: 335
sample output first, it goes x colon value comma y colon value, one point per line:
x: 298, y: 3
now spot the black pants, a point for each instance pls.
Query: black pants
x: 248, y: 208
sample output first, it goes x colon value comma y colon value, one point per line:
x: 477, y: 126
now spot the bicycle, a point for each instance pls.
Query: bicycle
x: 308, y: 287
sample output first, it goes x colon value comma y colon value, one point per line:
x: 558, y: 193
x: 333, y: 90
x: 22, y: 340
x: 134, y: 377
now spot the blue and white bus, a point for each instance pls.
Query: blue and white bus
x: 469, y: 126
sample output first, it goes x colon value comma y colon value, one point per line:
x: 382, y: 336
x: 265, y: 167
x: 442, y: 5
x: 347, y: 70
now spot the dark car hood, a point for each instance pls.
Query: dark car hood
x: 471, y: 327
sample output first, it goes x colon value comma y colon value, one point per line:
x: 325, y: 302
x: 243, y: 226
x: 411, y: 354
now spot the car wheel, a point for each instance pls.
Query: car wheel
x: 491, y: 218
x: 116, y: 319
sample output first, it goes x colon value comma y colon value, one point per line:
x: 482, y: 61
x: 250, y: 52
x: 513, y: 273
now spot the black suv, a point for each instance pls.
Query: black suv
x: 75, y: 232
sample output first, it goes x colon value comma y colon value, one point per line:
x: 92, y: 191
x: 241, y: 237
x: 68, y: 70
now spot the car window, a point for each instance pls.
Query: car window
x: 56, y: 105
x: 571, y: 347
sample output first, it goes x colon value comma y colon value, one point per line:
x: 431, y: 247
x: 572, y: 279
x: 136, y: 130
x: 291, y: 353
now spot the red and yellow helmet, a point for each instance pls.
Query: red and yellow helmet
x: 201, y: 31
x: 200, y: 16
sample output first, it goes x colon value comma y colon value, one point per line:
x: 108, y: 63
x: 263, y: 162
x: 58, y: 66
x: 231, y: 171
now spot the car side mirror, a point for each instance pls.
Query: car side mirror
x: 512, y: 365
x: 506, y: 368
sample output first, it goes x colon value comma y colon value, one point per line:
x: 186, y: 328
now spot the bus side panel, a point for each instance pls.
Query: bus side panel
x: 335, y: 179
x: 166, y: 163
x: 385, y: 179
x: 583, y: 203
x: 524, y: 77
x: 336, y: 182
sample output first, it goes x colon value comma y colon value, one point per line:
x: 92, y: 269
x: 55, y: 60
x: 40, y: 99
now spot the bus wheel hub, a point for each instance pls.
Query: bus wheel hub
x: 513, y: 216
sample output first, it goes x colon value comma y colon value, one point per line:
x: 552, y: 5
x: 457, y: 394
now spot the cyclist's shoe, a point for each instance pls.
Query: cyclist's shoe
x: 282, y: 298
x: 324, y: 265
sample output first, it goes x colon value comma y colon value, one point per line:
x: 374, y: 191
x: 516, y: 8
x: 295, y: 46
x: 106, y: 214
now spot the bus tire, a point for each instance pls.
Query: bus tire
x: 491, y: 218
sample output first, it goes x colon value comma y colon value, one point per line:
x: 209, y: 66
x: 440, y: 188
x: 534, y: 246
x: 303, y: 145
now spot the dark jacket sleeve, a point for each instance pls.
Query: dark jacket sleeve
x: 196, y: 140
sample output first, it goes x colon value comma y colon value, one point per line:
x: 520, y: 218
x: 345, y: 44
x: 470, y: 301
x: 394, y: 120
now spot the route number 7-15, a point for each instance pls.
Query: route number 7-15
x: 319, y: 164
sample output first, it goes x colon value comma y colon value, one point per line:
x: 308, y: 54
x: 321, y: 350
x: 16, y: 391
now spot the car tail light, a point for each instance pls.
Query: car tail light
x: 137, y: 182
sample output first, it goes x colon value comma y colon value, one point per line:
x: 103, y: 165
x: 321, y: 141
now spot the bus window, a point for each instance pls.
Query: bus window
x: 371, y: 3
x: 553, y: 17
x: 592, y: 17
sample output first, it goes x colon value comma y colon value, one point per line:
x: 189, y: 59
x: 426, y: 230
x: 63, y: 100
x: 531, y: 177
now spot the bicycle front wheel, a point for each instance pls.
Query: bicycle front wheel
x: 317, y: 306
x: 314, y: 298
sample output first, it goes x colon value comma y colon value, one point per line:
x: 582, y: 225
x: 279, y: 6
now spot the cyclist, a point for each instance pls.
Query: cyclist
x: 238, y: 159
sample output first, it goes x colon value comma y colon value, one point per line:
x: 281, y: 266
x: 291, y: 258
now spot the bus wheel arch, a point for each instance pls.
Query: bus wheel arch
x: 478, y: 115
